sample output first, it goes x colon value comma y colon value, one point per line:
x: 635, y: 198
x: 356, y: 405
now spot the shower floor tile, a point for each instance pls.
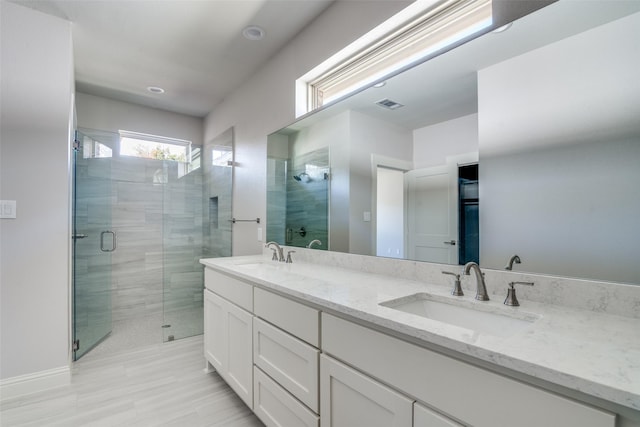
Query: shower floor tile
x: 131, y: 334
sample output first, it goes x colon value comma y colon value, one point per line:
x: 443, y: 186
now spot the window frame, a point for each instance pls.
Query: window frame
x: 158, y: 139
x: 421, y: 30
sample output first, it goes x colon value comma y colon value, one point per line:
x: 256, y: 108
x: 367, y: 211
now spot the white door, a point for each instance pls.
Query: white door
x: 432, y: 214
x: 349, y: 398
x: 390, y: 215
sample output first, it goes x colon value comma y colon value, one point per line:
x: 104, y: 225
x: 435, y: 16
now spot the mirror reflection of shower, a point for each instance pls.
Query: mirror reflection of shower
x: 303, y: 177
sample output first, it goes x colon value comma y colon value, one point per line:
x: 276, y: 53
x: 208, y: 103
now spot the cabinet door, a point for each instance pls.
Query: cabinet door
x: 425, y: 417
x: 214, y: 330
x: 239, y: 338
x: 228, y: 343
x: 349, y: 398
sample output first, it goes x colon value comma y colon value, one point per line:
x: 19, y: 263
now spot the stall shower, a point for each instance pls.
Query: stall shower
x: 140, y: 227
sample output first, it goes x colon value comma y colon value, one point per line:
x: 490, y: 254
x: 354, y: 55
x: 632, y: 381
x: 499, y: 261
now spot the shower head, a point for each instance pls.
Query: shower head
x: 303, y: 177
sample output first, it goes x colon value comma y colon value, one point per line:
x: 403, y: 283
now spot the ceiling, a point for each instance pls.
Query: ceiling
x: 193, y: 49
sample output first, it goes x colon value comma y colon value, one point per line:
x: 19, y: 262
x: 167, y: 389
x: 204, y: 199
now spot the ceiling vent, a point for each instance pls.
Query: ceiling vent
x: 387, y: 103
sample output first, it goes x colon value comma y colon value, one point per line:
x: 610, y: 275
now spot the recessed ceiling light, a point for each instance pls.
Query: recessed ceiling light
x: 155, y: 89
x: 253, y: 32
x: 503, y: 28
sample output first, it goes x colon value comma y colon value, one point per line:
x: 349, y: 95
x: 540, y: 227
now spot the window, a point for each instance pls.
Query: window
x: 154, y: 147
x: 158, y: 148
x: 416, y: 33
x: 221, y: 155
x: 94, y: 149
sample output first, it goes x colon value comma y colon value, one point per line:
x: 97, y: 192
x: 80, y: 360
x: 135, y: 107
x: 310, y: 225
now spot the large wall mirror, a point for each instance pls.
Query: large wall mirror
x: 524, y: 142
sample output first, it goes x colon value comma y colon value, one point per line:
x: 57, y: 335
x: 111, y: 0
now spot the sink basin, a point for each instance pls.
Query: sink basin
x: 465, y: 314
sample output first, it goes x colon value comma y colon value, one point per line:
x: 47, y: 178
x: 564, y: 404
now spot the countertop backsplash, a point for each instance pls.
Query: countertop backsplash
x: 603, y: 297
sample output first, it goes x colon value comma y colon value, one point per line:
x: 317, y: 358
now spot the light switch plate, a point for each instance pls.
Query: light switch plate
x: 7, y: 209
x: 366, y: 216
x: 259, y: 234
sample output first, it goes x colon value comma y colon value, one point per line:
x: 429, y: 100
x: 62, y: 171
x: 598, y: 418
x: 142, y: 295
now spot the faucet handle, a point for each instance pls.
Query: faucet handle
x: 457, y: 288
x: 289, y: 260
x: 511, y: 299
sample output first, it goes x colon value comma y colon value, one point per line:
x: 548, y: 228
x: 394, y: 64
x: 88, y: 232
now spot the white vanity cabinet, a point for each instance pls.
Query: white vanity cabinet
x: 228, y: 331
x: 298, y: 366
x: 473, y: 395
x: 286, y: 358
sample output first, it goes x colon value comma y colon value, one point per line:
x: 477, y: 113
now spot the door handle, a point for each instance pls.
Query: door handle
x: 79, y: 236
x: 451, y: 242
x: 114, y: 241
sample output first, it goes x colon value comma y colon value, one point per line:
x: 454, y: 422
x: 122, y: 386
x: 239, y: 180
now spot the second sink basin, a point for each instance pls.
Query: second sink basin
x: 465, y: 314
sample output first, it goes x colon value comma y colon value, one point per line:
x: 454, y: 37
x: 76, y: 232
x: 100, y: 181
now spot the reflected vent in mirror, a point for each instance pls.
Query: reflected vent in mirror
x: 389, y: 104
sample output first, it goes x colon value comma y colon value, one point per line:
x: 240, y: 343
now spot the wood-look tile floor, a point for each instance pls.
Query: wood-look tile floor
x: 160, y: 385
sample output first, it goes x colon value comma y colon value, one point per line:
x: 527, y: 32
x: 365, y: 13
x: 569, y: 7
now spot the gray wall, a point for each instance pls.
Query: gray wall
x: 95, y: 112
x: 265, y: 103
x: 370, y: 136
x: 559, y: 151
x: 36, y: 108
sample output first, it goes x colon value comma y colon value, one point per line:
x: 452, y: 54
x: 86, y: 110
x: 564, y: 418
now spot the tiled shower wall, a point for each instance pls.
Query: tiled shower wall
x: 276, y: 199
x: 308, y: 201
x: 216, y: 201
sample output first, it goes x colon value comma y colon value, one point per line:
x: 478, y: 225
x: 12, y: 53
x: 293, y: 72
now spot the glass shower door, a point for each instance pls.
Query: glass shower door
x: 93, y: 242
x: 196, y: 224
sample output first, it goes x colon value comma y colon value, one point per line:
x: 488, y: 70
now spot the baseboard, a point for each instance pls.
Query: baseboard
x: 32, y: 383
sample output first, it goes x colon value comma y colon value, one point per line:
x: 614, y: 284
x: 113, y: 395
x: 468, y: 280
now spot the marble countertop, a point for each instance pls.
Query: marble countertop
x: 595, y: 353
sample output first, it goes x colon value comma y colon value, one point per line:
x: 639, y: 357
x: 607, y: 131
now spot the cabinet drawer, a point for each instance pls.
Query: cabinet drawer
x: 350, y: 398
x: 289, y: 361
x: 234, y: 290
x: 275, y: 407
x: 295, y: 318
x: 470, y: 394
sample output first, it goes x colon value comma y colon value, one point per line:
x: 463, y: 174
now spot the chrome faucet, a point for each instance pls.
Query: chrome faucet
x: 278, y: 248
x: 457, y: 289
x: 511, y: 299
x: 314, y: 242
x: 513, y: 259
x: 481, y: 292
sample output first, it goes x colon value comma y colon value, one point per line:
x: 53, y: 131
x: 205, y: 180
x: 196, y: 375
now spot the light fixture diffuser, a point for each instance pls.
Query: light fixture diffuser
x: 253, y: 32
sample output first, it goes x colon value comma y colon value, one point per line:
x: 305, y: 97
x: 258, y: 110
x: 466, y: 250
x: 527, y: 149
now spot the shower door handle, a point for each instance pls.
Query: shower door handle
x: 79, y: 236
x: 114, y: 241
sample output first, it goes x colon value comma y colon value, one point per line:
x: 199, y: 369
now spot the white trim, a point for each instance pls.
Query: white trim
x: 154, y: 138
x: 409, y: 37
x: 415, y: 9
x: 35, y: 382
